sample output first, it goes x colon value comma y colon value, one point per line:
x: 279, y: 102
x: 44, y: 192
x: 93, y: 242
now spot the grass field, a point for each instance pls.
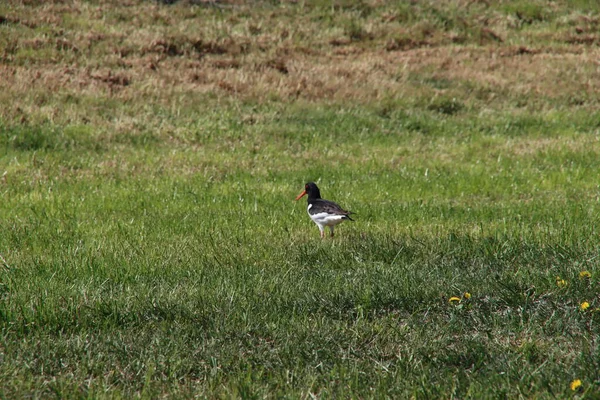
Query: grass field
x: 150, y: 154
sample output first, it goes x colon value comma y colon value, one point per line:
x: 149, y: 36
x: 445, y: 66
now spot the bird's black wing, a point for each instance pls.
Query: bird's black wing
x: 329, y: 207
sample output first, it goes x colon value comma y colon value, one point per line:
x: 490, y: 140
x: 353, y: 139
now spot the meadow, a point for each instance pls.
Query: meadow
x: 150, y: 154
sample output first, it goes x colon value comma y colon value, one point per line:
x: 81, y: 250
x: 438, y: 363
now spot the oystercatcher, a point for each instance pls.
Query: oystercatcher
x: 323, y: 212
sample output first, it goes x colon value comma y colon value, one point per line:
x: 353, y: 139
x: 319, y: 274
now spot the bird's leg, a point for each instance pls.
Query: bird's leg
x: 322, y: 234
x: 331, y: 229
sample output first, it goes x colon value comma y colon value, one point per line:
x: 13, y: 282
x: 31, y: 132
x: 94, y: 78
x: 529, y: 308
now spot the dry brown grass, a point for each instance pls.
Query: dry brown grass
x: 152, y: 53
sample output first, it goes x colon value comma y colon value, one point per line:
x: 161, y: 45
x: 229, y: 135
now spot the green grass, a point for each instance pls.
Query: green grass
x: 151, y: 246
x: 177, y: 271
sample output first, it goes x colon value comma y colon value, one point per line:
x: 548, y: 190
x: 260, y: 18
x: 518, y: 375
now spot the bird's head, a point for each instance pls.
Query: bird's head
x: 311, y: 190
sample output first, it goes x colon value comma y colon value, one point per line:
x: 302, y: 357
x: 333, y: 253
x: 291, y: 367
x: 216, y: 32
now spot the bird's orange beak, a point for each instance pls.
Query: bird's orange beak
x: 300, y: 195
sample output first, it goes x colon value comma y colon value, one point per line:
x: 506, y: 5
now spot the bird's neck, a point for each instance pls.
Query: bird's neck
x: 313, y: 196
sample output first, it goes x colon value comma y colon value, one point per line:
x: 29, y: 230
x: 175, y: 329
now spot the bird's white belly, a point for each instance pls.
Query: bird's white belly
x: 325, y: 219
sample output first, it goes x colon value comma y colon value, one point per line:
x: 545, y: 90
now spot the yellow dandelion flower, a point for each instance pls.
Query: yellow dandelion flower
x: 454, y: 299
x: 584, y: 306
x: 467, y: 295
x: 576, y: 384
x: 585, y: 274
x: 560, y: 282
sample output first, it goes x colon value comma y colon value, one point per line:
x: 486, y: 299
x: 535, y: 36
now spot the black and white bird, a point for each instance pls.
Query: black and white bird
x: 323, y: 212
